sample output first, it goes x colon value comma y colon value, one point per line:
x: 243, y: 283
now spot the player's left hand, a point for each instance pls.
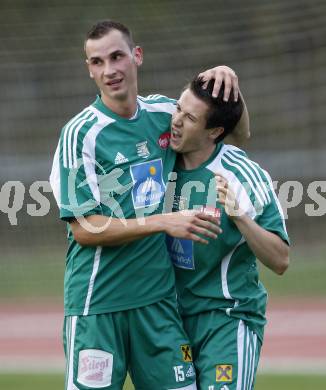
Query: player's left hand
x: 222, y: 74
x: 227, y: 198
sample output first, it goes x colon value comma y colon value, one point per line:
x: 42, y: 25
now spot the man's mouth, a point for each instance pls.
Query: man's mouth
x: 113, y: 83
x: 175, y: 133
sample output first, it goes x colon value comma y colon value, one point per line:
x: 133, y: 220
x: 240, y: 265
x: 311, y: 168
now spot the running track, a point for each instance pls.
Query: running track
x: 295, y: 338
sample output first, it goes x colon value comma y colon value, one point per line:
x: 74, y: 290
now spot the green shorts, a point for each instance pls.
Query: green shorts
x: 225, y: 351
x: 149, y: 342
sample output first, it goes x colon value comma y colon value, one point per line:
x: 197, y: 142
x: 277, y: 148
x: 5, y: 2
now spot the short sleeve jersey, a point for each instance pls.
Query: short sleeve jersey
x: 117, y: 167
x: 223, y: 275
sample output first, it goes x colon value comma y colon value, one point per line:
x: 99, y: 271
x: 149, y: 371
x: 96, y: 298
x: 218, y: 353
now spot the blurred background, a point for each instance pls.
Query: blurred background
x: 277, y: 49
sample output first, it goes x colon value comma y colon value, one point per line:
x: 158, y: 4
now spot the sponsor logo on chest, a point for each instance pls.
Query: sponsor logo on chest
x: 148, y: 184
x: 181, y: 252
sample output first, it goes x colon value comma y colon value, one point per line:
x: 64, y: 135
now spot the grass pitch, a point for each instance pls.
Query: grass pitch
x: 31, y: 276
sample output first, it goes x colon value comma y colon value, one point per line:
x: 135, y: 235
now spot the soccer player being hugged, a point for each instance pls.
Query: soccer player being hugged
x: 221, y: 300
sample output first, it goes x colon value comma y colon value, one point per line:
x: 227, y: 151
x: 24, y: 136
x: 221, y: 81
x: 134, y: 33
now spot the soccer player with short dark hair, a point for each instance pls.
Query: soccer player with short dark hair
x: 221, y: 300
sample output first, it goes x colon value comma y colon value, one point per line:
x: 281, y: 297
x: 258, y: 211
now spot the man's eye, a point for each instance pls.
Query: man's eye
x: 178, y: 108
x: 117, y: 56
x: 191, y: 118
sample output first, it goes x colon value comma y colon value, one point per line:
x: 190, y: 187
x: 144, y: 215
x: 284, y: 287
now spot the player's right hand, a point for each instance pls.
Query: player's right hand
x: 192, y: 225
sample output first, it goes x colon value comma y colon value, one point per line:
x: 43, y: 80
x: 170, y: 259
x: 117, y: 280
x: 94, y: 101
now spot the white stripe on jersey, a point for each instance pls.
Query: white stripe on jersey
x: 96, y: 264
x: 73, y: 129
x: 154, y: 96
x: 224, y: 270
x: 239, y: 190
x: 226, y: 159
x: 157, y: 107
x: 66, y: 144
x: 70, y: 348
x: 257, y: 169
x: 278, y: 204
x: 246, y: 163
x: 55, y: 175
x: 74, y: 146
x: 88, y: 152
x: 241, y: 195
x: 67, y: 126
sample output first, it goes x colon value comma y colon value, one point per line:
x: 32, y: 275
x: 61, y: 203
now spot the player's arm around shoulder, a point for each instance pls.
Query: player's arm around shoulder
x: 100, y: 230
x: 267, y: 246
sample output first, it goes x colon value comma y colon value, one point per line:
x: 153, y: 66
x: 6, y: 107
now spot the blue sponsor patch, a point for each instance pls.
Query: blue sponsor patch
x: 181, y: 252
x: 148, y: 185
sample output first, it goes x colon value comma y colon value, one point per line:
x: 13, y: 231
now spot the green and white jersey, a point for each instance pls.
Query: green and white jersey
x: 223, y: 274
x: 118, y: 167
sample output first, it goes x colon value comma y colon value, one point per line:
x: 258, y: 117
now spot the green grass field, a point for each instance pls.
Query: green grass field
x: 40, y: 275
x: 264, y: 382
x: 305, y: 276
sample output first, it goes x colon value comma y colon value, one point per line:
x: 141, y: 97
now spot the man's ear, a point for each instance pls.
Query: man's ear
x: 216, y: 132
x: 90, y: 73
x: 137, y: 53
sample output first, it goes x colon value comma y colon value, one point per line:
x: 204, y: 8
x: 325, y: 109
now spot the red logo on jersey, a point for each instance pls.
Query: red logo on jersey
x: 164, y: 140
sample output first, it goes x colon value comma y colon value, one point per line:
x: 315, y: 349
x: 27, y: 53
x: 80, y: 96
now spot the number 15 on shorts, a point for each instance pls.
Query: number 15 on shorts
x: 179, y: 373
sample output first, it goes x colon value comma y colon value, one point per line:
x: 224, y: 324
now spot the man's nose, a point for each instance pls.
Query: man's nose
x: 109, y: 70
x: 177, y: 118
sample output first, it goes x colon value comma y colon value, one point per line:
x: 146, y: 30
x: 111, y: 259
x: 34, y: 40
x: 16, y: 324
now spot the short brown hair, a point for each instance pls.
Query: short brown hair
x: 220, y: 113
x: 103, y: 27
